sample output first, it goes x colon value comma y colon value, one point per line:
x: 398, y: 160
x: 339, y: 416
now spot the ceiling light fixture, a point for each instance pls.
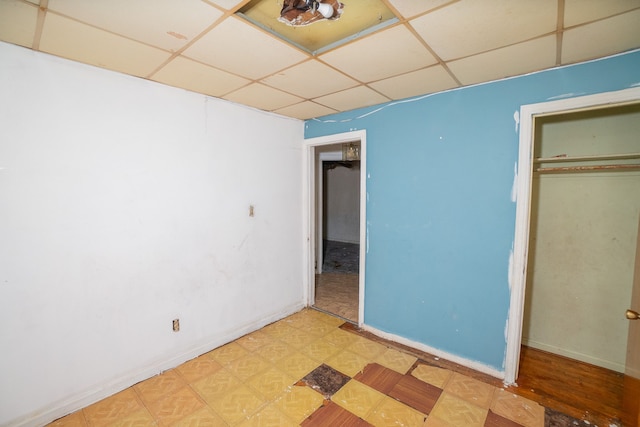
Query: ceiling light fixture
x: 298, y: 13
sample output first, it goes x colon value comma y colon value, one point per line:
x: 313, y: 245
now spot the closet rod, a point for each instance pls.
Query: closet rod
x: 587, y: 168
x: 564, y: 158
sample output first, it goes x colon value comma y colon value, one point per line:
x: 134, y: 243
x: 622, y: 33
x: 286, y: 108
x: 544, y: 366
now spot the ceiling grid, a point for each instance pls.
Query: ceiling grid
x: 416, y: 48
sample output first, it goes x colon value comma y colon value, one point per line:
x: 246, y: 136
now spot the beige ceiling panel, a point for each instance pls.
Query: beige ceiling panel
x: 167, y: 24
x: 411, y: 8
x: 506, y: 62
x: 17, y: 22
x: 349, y: 99
x: 197, y: 77
x: 263, y: 97
x: 226, y: 4
x: 310, y: 80
x: 240, y: 48
x: 70, y: 39
x: 428, y: 80
x: 580, y: 11
x: 305, y: 110
x: 384, y: 54
x: 602, y: 38
x: 470, y: 27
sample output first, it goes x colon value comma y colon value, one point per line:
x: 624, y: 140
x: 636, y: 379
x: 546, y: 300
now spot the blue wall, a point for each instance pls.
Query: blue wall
x: 440, y: 214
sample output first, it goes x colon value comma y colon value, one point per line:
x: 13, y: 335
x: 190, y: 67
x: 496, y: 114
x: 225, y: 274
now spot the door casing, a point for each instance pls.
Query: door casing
x: 309, y: 211
x: 518, y: 261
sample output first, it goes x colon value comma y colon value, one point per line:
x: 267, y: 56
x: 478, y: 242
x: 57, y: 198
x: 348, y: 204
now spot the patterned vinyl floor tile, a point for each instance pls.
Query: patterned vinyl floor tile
x: 306, y: 370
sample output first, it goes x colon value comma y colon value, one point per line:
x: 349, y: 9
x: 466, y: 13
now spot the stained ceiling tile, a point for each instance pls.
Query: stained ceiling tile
x: 167, y: 24
x: 470, y: 27
x: 355, y: 19
x: 401, y: 50
x: 420, y: 82
x: 241, y: 49
x: 310, y: 80
x: 411, y: 8
x: 70, y: 39
x: 192, y: 75
x: 349, y: 99
x: 305, y: 110
x: 18, y: 22
x: 263, y: 97
x: 509, y: 61
x: 580, y: 11
x: 612, y: 35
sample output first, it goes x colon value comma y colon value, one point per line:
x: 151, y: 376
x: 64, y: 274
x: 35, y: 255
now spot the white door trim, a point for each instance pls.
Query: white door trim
x: 518, y: 264
x: 309, y: 209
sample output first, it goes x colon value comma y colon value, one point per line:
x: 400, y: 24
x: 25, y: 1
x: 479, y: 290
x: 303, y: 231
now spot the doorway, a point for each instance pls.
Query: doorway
x: 585, y: 203
x: 518, y: 267
x: 338, y: 230
x: 335, y: 205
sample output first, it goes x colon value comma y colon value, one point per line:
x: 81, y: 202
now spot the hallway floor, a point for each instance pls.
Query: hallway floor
x: 309, y: 370
x: 337, y: 293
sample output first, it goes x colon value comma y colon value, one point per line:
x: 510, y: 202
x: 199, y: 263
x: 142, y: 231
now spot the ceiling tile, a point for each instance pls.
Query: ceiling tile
x: 580, y: 11
x: 411, y: 8
x: 18, y: 22
x: 239, y: 48
x: 349, y: 99
x: 427, y: 80
x: 399, y: 49
x: 601, y: 38
x: 263, y: 97
x: 509, y: 61
x: 192, y: 75
x: 310, y: 79
x: 305, y: 110
x: 70, y: 39
x: 470, y: 27
x: 226, y: 4
x: 167, y: 24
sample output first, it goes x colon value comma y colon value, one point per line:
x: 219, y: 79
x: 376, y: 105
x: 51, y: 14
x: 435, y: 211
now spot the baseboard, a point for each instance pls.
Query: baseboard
x: 471, y: 364
x: 81, y: 400
x: 618, y: 367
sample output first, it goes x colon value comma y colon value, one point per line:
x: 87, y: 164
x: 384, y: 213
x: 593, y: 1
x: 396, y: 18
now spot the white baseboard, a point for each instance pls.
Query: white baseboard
x: 614, y: 366
x: 476, y: 366
x: 81, y: 400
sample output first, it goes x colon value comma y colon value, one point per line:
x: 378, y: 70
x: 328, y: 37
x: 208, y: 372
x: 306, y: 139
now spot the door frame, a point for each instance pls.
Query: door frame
x: 518, y: 262
x: 309, y: 198
x: 327, y: 156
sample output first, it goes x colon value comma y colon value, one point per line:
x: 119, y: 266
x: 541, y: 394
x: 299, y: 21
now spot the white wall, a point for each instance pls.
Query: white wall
x: 584, y: 228
x: 342, y: 217
x: 123, y: 205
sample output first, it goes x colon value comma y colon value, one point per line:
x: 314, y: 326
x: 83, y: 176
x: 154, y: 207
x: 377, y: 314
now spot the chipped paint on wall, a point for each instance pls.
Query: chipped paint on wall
x: 516, y: 118
x: 565, y: 95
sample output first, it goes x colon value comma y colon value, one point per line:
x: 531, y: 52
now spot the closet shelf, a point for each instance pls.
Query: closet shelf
x: 587, y: 168
x: 564, y: 158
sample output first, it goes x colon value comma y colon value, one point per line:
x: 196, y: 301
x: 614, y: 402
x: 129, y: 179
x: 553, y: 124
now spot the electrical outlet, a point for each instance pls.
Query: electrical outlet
x: 176, y: 325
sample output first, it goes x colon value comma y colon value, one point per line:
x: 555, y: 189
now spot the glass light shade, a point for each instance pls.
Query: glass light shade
x: 325, y: 10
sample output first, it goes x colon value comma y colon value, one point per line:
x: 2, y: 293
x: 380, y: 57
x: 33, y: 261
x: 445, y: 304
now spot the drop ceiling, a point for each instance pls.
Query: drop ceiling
x: 430, y: 46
